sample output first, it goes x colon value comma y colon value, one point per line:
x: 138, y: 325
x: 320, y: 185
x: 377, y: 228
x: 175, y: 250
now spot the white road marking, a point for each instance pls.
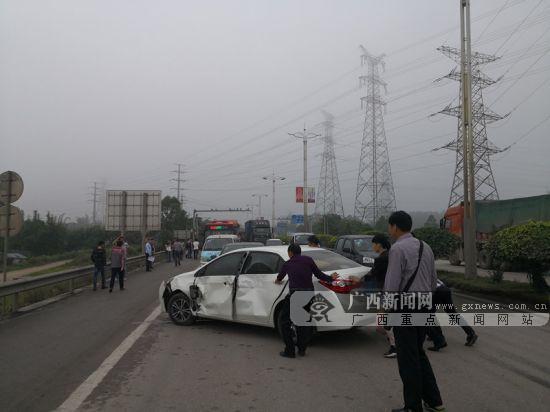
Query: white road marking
x: 77, y: 398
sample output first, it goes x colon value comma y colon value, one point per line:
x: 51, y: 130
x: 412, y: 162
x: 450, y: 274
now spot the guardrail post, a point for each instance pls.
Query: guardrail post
x: 15, y: 301
x: 71, y: 285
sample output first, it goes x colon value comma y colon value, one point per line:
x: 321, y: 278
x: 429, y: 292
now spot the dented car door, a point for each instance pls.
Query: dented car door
x: 256, y: 291
x: 216, y: 283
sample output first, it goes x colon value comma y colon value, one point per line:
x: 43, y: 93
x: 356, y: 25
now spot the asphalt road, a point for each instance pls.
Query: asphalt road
x: 216, y: 366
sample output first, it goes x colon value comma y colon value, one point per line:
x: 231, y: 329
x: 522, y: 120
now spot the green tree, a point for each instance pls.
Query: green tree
x: 525, y: 246
x: 381, y: 224
x: 173, y: 217
x: 440, y: 241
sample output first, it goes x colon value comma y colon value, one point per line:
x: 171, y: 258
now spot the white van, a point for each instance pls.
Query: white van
x: 213, y: 246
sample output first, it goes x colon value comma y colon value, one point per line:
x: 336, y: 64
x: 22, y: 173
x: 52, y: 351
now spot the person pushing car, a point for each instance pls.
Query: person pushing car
x: 299, y: 270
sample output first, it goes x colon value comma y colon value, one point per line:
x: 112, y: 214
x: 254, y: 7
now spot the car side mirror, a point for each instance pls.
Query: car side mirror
x: 346, y: 250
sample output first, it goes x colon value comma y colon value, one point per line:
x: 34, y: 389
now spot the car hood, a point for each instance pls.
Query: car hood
x: 369, y: 254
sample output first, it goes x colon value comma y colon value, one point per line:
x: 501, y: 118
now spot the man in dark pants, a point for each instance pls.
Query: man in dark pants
x: 299, y: 270
x: 99, y: 257
x: 443, y: 296
x: 411, y: 268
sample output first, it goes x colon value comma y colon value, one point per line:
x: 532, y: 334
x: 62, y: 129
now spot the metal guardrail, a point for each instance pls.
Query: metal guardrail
x: 15, y: 287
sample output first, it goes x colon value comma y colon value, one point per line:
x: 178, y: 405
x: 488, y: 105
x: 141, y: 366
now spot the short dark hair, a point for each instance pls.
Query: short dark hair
x: 101, y: 243
x: 295, y: 249
x: 119, y: 242
x: 402, y: 220
x: 382, y: 239
x: 313, y: 239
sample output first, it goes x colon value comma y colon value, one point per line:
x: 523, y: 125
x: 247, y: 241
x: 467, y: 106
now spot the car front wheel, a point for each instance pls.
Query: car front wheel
x: 179, y: 310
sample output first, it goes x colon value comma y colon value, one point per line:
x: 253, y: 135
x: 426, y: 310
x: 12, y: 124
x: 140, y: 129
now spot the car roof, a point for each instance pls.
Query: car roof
x: 356, y: 236
x: 281, y: 250
x: 302, y: 233
x: 222, y: 237
x: 243, y: 244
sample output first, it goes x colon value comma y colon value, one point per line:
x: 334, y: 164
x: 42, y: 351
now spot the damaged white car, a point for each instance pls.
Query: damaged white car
x: 239, y: 286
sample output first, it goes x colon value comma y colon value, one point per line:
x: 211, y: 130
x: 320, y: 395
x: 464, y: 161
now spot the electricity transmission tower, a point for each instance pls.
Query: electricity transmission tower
x: 179, y: 181
x: 375, y: 195
x: 484, y: 181
x: 329, y: 197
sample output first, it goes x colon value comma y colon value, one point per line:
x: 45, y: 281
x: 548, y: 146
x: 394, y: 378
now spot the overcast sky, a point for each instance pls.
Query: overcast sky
x: 118, y: 91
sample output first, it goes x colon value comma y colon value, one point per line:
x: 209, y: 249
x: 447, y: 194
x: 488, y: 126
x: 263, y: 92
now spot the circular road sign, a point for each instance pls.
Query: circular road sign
x: 16, y: 220
x: 16, y: 187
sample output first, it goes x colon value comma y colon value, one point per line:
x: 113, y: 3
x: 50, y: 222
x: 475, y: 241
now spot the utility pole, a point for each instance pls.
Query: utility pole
x: 470, y: 255
x: 305, y: 137
x: 273, y: 179
x: 259, y: 196
x: 179, y: 180
x: 94, y: 201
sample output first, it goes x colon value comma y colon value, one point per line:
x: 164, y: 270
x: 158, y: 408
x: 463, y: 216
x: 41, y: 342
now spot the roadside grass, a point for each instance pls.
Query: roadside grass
x: 516, y: 291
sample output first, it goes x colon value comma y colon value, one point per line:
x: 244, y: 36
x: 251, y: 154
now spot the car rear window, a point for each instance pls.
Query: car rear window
x: 327, y: 260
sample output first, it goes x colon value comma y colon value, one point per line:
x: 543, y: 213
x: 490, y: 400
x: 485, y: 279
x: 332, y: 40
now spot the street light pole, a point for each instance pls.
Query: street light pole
x: 305, y: 137
x: 273, y: 179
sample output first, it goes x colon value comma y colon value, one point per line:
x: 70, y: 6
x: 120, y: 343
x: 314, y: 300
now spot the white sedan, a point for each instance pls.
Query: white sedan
x: 239, y: 286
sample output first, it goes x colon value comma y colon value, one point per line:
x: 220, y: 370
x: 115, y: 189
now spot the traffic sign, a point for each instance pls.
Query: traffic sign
x: 11, y: 187
x: 297, y: 219
x: 16, y: 220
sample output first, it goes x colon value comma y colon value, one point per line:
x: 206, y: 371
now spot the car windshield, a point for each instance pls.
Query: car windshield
x: 273, y: 242
x: 327, y: 260
x: 363, y: 245
x: 216, y: 243
x: 262, y: 230
x: 301, y: 239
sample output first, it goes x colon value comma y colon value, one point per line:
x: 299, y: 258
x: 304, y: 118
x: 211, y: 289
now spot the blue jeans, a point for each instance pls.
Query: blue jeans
x: 97, y: 271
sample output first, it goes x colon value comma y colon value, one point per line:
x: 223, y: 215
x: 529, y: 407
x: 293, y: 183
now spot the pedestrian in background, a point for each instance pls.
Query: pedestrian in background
x: 168, y: 249
x: 178, y: 252
x: 189, y: 249
x: 313, y: 241
x: 196, y: 246
x: 118, y: 263
x: 148, y: 255
x: 99, y: 257
x: 411, y: 268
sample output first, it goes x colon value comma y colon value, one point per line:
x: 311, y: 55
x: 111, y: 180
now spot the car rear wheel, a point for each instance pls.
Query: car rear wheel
x: 179, y: 310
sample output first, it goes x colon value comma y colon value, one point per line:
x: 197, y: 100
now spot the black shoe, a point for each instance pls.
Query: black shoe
x: 94, y: 289
x: 110, y: 290
x: 285, y: 354
x: 302, y: 352
x: 435, y: 348
x: 428, y: 408
x: 391, y: 353
x: 471, y: 339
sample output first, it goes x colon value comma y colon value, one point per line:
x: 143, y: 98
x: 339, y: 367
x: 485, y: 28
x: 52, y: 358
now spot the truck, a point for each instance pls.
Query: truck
x: 357, y: 248
x: 257, y: 230
x: 492, y: 216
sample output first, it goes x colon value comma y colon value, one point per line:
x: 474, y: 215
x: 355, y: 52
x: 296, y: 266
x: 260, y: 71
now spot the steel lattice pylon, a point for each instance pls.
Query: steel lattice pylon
x: 485, y: 186
x: 375, y: 196
x: 329, y: 197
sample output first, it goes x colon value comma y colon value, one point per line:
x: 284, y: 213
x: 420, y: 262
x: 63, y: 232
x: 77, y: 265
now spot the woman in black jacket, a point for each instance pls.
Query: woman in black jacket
x: 375, y: 280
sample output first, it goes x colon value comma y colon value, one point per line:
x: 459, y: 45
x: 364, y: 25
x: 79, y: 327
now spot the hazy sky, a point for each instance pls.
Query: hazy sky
x: 118, y: 91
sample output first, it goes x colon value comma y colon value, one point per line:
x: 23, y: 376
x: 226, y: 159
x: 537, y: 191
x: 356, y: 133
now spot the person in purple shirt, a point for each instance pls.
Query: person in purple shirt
x: 299, y: 270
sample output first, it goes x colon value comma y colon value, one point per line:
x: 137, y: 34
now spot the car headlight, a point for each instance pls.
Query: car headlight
x: 367, y: 259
